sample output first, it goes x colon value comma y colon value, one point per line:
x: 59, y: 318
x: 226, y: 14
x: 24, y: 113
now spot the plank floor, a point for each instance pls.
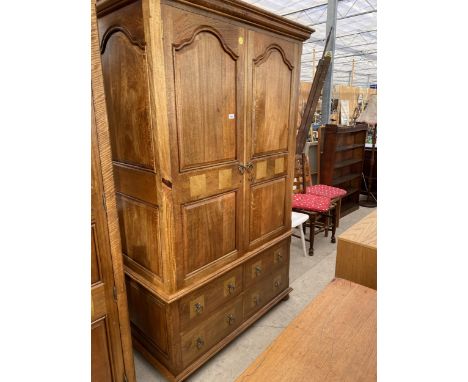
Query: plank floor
x: 308, y: 277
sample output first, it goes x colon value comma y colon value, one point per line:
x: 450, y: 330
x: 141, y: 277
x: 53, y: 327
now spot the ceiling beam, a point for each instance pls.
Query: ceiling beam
x: 342, y: 36
x: 359, y: 54
x: 306, y: 9
x: 344, y: 47
x: 346, y: 17
x: 353, y: 55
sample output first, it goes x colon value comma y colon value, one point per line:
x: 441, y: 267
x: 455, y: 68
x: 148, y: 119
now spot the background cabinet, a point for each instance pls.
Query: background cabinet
x: 202, y: 100
x: 341, y: 161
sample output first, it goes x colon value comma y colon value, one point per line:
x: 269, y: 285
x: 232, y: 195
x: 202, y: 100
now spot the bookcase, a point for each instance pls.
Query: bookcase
x: 341, y: 161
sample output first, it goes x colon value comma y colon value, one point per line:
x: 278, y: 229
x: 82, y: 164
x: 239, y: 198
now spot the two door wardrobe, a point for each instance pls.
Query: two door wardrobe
x: 202, y: 103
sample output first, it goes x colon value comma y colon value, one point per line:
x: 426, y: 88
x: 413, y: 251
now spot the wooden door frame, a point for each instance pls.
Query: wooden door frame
x: 105, y: 159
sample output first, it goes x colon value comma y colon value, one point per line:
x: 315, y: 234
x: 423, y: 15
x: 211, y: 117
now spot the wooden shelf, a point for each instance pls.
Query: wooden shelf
x: 347, y: 130
x: 346, y: 178
x: 348, y: 147
x: 347, y: 163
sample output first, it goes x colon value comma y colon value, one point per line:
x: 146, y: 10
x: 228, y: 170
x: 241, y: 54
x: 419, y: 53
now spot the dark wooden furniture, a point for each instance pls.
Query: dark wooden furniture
x: 333, y: 339
x: 341, y: 161
x: 202, y: 101
x: 356, y: 253
x: 367, y: 171
x: 111, y: 346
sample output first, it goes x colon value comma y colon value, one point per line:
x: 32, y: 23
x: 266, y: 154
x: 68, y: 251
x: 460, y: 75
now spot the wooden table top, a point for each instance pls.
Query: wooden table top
x: 363, y: 232
x: 333, y: 339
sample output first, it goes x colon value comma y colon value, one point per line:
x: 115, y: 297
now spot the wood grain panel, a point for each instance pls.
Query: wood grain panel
x: 267, y: 212
x: 127, y: 95
x: 101, y: 370
x: 137, y: 183
x: 95, y: 268
x: 333, y: 339
x: 148, y: 315
x: 200, y: 184
x: 99, y: 305
x: 111, y: 354
x: 139, y: 226
x: 356, y: 253
x: 271, y: 96
x: 269, y: 167
x: 209, y: 230
x: 205, y: 100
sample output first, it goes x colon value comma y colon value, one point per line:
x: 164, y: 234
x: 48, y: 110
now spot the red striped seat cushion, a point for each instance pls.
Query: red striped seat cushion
x: 310, y: 202
x: 324, y: 190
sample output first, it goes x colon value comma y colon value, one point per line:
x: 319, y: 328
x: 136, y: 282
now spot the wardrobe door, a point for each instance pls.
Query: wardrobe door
x: 272, y: 77
x: 111, y: 352
x: 106, y: 349
x: 205, y: 80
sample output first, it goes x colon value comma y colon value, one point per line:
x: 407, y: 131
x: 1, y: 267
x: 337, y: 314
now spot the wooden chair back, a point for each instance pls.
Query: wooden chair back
x: 302, y: 177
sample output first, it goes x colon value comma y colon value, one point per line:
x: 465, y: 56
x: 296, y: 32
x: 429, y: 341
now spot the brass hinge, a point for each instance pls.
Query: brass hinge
x: 114, y: 291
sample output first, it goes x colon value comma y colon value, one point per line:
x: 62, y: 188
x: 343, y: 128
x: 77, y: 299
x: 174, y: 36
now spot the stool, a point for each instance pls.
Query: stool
x: 297, y: 219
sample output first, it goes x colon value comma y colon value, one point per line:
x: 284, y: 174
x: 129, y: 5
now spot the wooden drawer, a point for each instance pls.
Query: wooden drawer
x: 260, y: 294
x: 198, y: 305
x: 266, y: 262
x: 201, y: 338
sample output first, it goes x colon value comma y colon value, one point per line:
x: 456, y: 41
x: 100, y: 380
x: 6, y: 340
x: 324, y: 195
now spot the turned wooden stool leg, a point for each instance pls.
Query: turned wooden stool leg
x: 338, y: 212
x: 326, y: 223
x: 311, y: 233
x: 334, y: 219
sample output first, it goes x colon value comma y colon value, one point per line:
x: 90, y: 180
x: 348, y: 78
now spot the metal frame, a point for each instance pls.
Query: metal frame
x: 350, y: 44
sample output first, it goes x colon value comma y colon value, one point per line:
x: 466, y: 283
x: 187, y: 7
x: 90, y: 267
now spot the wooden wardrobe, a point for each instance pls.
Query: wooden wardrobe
x: 202, y: 102
x: 111, y: 345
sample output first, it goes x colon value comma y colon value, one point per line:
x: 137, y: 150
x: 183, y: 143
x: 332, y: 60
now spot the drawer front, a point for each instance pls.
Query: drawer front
x: 260, y: 294
x: 200, y: 339
x: 266, y: 262
x: 198, y: 305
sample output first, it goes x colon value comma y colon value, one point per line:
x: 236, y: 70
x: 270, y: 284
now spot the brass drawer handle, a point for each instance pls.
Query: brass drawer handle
x: 277, y: 283
x: 198, y: 308
x: 231, y: 288
x: 279, y: 257
x: 200, y: 343
x: 258, y: 270
x: 231, y: 319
